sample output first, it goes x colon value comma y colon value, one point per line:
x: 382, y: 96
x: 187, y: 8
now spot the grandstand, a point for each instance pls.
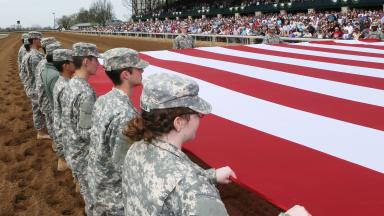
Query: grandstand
x: 175, y: 9
x: 316, y: 24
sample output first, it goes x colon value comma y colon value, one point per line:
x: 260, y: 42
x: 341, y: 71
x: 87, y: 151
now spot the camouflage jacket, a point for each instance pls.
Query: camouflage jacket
x: 48, y: 77
x: 28, y: 70
x: 58, y: 124
x: 375, y: 35
x: 39, y: 68
x: 183, y: 42
x: 272, y: 39
x: 108, y: 148
x: 77, y: 104
x: 20, y: 55
x: 39, y: 83
x: 159, y: 179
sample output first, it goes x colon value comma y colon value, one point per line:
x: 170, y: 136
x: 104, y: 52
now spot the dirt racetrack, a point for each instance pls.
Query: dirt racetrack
x: 29, y: 184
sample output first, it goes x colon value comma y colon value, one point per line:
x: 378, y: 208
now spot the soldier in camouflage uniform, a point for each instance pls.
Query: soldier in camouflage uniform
x: 158, y: 178
x: 374, y: 33
x: 108, y: 145
x: 183, y: 41
x: 271, y: 37
x: 48, y: 77
x: 45, y: 105
x: 63, y: 62
x: 382, y: 32
x: 22, y: 51
x: 27, y: 75
x: 79, y: 98
x: 40, y: 67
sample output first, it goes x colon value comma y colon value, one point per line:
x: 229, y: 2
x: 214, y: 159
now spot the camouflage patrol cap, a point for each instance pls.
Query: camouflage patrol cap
x: 62, y: 55
x: 119, y: 58
x: 34, y: 34
x: 51, y: 47
x: 26, y: 41
x: 163, y: 90
x: 271, y: 26
x: 183, y: 25
x: 85, y: 49
x: 375, y: 24
x: 47, y: 40
x: 24, y: 36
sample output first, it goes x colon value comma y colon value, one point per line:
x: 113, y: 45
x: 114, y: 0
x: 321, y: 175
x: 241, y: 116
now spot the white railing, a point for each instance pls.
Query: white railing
x: 201, y: 37
x: 3, y: 36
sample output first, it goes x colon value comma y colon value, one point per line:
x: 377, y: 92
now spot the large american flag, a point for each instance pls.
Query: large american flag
x: 298, y: 123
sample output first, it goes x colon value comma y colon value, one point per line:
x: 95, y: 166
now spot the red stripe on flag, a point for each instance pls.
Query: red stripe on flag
x: 341, y: 109
x: 308, y: 57
x: 366, y: 81
x: 332, y: 50
x: 349, y: 45
x: 294, y: 174
x: 101, y: 82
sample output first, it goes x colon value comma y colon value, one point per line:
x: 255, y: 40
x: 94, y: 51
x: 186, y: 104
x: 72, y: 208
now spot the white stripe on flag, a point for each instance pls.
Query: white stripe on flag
x: 318, y: 53
x: 359, y: 42
x: 348, y: 48
x: 354, y: 143
x: 299, y: 62
x: 332, y: 88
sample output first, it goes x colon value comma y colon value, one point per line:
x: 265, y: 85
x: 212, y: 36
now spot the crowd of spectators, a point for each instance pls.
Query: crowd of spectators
x: 336, y: 25
x: 186, y: 5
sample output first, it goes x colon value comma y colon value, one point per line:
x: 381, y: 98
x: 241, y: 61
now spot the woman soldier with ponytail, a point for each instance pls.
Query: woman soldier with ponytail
x: 160, y: 179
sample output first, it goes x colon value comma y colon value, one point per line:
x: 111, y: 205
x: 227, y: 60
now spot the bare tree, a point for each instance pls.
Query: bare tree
x: 131, y: 6
x: 84, y: 16
x: 102, y: 11
x: 143, y: 7
x: 67, y: 21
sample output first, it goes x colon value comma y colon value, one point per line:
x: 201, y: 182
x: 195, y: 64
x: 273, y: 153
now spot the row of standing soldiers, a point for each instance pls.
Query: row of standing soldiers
x: 124, y: 162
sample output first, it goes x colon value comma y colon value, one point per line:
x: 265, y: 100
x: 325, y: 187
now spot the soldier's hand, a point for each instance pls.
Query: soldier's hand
x: 223, y: 175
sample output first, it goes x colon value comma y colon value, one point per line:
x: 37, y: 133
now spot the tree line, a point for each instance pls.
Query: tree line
x: 100, y: 13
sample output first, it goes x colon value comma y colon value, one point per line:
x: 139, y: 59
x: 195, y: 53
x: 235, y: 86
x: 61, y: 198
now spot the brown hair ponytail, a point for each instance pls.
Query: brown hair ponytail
x: 150, y: 125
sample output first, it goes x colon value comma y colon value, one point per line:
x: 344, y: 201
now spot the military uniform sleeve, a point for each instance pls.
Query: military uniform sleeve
x: 211, y: 174
x: 266, y: 40
x: 23, y: 69
x: 28, y: 68
x: 39, y: 82
x: 193, y: 43
x: 176, y: 43
x: 57, y: 106
x: 34, y: 62
x: 51, y: 86
x: 20, y: 57
x: 85, y: 105
x: 197, y: 197
x: 120, y: 143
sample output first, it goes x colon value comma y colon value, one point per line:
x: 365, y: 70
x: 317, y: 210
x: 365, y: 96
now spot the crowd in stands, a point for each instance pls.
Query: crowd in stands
x: 193, y: 5
x: 336, y: 25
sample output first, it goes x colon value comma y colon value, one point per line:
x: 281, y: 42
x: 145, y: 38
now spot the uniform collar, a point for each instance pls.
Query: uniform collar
x: 120, y: 92
x: 81, y: 80
x: 169, y: 148
x: 178, y: 153
x: 64, y: 78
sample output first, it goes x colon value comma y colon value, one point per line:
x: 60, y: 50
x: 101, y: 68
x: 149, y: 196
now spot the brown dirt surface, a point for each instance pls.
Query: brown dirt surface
x: 29, y: 182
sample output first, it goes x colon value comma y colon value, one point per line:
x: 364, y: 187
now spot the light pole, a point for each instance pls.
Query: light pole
x: 54, y: 20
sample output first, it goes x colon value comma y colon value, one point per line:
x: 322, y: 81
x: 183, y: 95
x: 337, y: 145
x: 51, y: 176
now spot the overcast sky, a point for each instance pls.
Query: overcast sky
x: 39, y: 12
